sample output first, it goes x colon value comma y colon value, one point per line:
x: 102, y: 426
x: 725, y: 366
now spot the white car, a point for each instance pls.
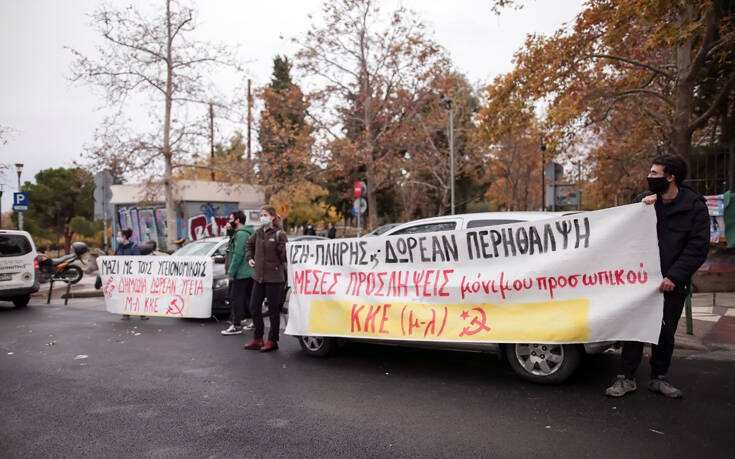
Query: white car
x: 537, y: 362
x: 18, y: 267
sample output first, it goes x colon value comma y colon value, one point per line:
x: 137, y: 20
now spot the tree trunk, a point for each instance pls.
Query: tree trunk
x: 167, y: 154
x: 681, y: 132
x: 371, y: 193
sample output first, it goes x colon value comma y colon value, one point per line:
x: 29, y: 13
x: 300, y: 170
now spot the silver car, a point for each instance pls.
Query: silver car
x: 543, y: 363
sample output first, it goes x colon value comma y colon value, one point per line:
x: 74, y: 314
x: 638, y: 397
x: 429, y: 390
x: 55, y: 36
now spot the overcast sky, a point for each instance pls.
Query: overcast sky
x: 52, y: 119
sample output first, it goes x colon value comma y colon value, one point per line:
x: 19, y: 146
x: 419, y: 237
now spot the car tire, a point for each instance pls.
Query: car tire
x: 543, y: 363
x: 318, y: 346
x: 21, y: 301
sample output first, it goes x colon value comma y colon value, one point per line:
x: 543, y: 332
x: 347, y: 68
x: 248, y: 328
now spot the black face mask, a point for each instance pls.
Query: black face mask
x: 658, y: 185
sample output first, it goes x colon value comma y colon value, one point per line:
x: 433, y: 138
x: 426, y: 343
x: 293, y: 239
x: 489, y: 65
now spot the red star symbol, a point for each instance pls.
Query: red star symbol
x: 464, y: 315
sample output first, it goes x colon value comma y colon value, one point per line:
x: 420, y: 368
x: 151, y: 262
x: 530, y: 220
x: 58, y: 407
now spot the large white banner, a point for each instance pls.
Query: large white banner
x: 586, y: 277
x: 157, y: 286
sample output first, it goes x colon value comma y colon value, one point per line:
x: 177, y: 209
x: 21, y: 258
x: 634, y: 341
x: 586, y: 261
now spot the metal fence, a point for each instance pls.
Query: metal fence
x: 710, y: 170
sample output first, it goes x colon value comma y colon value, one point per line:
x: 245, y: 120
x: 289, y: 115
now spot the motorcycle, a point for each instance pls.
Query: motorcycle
x: 62, y: 268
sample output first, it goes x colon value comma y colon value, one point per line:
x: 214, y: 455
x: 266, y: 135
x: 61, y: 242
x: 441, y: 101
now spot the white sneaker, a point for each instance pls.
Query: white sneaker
x: 232, y: 330
x: 247, y: 325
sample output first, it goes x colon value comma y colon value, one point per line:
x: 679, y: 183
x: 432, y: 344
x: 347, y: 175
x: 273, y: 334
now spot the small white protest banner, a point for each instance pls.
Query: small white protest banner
x: 583, y: 277
x: 157, y: 286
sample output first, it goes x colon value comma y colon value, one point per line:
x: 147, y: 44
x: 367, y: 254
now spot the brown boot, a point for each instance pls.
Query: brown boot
x: 254, y: 345
x: 269, y: 346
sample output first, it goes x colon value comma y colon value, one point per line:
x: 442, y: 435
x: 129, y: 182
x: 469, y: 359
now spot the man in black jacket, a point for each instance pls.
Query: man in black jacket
x: 683, y: 240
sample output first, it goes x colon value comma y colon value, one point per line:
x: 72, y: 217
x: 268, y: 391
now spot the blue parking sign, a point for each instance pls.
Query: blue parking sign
x: 20, y: 202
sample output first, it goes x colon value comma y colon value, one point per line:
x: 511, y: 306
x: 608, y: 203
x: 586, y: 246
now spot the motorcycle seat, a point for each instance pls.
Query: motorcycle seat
x: 65, y: 258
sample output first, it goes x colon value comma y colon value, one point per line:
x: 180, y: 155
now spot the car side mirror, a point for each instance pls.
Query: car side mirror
x: 219, y: 259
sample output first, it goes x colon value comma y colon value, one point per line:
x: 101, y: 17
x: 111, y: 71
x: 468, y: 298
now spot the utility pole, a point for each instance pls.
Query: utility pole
x: 104, y: 206
x: 2, y: 188
x: 211, y: 138
x: 19, y: 169
x: 250, y: 119
x: 448, y: 104
x: 543, y: 177
x: 579, y: 184
x: 57, y: 206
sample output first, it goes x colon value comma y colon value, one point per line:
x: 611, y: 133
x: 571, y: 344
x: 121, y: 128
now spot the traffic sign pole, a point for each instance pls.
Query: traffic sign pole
x: 358, y: 189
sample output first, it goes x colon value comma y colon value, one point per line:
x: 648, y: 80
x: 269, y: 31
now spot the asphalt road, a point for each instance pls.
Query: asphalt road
x: 176, y: 388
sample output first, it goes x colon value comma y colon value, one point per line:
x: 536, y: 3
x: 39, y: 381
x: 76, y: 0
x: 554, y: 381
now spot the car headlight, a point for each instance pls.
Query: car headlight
x: 221, y: 283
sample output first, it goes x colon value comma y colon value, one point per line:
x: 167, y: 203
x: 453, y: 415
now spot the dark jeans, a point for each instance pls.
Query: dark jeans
x: 272, y: 291
x: 240, y: 292
x: 661, y: 353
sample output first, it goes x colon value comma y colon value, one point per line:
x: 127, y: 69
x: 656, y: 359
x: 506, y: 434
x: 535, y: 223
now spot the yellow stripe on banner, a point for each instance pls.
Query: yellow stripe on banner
x: 549, y: 321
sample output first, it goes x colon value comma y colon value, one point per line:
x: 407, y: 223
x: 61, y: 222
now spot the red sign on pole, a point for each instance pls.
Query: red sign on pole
x: 359, y: 189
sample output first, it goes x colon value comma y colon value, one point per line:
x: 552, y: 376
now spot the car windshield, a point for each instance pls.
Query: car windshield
x: 13, y: 245
x: 194, y: 249
x: 383, y: 229
x: 481, y: 223
x: 428, y: 228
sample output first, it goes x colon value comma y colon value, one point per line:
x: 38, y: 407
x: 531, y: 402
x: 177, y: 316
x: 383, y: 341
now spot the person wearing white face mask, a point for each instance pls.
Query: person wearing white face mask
x: 266, y: 253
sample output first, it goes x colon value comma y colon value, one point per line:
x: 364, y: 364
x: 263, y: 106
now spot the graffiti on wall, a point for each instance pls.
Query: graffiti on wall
x: 210, y: 222
x: 195, y: 221
x: 147, y: 224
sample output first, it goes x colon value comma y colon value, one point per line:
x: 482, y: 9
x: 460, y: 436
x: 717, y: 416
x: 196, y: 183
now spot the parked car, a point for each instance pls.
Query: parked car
x: 537, y: 362
x: 214, y: 247
x: 382, y: 229
x: 18, y: 267
x: 305, y: 237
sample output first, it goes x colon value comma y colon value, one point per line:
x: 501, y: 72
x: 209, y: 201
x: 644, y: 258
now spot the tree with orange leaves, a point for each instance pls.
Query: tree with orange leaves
x: 511, y: 135
x: 630, y: 75
x: 284, y: 134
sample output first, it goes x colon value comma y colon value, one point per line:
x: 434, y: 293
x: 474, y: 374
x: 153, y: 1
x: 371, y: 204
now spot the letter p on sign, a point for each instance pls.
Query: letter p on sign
x: 20, y: 202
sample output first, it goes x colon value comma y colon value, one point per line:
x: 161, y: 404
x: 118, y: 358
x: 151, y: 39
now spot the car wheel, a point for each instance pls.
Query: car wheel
x: 318, y: 346
x: 543, y: 363
x: 21, y: 301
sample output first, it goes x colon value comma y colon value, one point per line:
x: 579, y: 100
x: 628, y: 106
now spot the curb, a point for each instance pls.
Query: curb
x: 85, y: 294
x: 689, y: 342
x: 721, y: 347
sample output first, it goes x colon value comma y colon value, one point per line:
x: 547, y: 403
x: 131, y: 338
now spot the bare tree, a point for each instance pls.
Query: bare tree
x: 152, y: 58
x: 4, y: 133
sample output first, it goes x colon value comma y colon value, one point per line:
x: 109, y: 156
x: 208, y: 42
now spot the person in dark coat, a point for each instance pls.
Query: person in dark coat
x: 682, y: 224
x: 125, y: 246
x: 332, y: 231
x: 309, y: 230
x: 266, y: 253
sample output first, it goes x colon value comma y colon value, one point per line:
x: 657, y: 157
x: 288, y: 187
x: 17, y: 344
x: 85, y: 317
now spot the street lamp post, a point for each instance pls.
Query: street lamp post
x: 2, y: 188
x: 543, y: 177
x: 19, y: 168
x: 447, y: 103
x: 58, y: 228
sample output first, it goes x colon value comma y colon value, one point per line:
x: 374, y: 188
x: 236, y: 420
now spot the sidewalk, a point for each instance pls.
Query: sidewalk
x: 713, y: 319
x: 82, y: 289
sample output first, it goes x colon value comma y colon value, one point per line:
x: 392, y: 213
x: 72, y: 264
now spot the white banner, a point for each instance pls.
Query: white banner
x: 157, y: 286
x: 586, y: 277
